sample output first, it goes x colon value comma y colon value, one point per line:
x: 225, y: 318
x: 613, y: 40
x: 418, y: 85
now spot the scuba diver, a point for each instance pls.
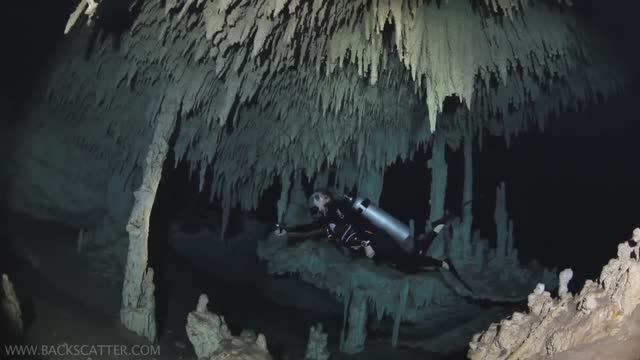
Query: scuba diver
x: 361, y: 229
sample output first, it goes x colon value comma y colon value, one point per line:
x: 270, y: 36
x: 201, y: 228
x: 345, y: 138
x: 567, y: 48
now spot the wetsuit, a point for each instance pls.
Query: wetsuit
x: 342, y: 225
x: 346, y: 228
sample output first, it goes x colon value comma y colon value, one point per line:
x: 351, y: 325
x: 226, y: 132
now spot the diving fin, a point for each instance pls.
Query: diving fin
x: 454, y: 272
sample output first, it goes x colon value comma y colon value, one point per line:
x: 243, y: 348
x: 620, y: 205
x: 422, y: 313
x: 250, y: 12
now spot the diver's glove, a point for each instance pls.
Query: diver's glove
x: 368, y: 250
x: 281, y: 230
x: 349, y: 195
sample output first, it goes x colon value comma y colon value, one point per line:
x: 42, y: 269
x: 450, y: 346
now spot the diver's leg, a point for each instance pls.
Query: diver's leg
x: 424, y: 241
x: 429, y: 263
x: 448, y: 265
x: 388, y: 251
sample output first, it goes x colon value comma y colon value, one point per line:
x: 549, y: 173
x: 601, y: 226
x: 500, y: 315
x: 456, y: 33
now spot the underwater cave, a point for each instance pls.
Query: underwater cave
x: 294, y: 179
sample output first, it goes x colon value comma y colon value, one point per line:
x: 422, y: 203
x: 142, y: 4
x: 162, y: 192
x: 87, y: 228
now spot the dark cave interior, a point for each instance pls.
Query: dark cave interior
x: 571, y: 189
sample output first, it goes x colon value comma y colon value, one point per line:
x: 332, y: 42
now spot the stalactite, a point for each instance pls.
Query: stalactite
x: 321, y: 180
x: 246, y: 72
x: 283, y: 202
x: 297, y: 207
x: 73, y: 18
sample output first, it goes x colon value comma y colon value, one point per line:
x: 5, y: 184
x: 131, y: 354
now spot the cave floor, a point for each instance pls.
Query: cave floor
x: 65, y: 300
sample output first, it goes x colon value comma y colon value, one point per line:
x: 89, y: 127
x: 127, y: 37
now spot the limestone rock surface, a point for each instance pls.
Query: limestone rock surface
x: 212, y: 339
x: 603, y: 312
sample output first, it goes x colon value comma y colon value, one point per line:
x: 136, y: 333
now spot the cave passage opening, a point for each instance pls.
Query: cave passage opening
x: 571, y: 186
x: 185, y: 228
x: 572, y: 189
x: 190, y: 257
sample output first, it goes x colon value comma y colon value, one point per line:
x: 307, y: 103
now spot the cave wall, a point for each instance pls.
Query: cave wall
x: 55, y: 175
x: 66, y: 161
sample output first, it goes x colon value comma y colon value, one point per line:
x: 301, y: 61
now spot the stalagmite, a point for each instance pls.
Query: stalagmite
x: 205, y: 329
x: 563, y: 284
x: 346, y: 301
x: 212, y: 339
x: 602, y: 310
x: 138, y: 303
x: 467, y: 195
x: 501, y: 218
x: 11, y: 307
x: 317, y: 344
x: 80, y: 241
x: 382, y: 291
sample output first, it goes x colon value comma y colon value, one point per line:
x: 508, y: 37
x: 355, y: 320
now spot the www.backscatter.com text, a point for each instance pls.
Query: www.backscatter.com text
x: 68, y: 350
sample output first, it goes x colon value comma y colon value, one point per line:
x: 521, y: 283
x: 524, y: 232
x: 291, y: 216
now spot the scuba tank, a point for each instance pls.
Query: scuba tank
x: 399, y: 231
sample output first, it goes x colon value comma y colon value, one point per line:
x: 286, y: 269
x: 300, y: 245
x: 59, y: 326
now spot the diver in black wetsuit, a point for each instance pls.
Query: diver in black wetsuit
x: 350, y: 231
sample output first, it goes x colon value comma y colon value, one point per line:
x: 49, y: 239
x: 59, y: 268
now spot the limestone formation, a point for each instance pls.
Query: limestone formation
x: 601, y: 310
x: 246, y: 66
x: 212, y: 340
x: 563, y: 284
x: 269, y: 89
x: 351, y: 32
x: 138, y: 302
x: 317, y: 344
x: 439, y: 170
x: 368, y: 290
x: 365, y: 288
x: 80, y: 244
x: 11, y: 307
x: 355, y: 334
x: 86, y: 7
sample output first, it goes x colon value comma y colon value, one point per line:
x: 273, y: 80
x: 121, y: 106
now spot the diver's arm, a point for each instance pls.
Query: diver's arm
x: 299, y: 233
x: 297, y: 237
x: 304, y: 228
